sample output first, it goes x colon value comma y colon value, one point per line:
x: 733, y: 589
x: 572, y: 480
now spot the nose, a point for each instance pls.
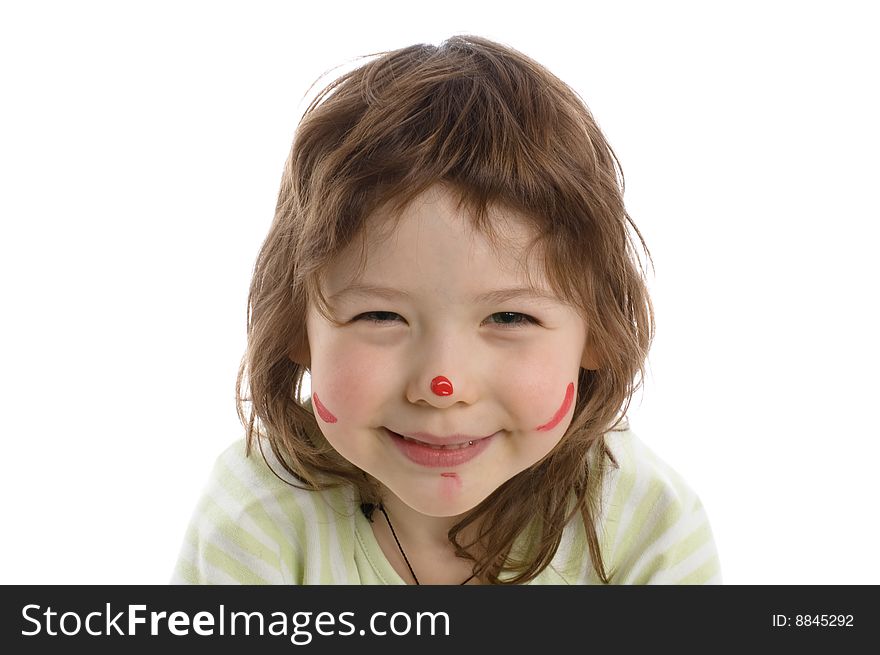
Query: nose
x: 441, y: 380
x: 437, y: 390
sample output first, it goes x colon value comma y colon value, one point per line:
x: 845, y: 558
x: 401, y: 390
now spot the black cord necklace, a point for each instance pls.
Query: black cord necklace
x: 367, y: 509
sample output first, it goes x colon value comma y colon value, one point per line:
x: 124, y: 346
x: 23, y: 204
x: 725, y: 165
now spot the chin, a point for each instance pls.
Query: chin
x: 438, y: 506
x: 445, y: 512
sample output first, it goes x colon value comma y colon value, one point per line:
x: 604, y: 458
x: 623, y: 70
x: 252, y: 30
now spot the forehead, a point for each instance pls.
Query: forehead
x: 435, y: 242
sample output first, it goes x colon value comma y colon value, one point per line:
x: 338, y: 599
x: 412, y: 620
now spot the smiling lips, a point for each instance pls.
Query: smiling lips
x: 449, y: 452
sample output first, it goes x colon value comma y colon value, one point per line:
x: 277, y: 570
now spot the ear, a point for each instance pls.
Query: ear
x: 590, y: 359
x: 299, y: 353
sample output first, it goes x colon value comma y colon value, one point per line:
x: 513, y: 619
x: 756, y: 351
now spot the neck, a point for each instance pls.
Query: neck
x: 417, y: 530
x: 418, y: 545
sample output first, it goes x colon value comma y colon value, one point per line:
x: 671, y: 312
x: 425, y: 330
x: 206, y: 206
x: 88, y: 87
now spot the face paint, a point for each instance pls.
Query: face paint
x: 450, y: 485
x: 441, y: 386
x: 561, y: 412
x: 322, y: 411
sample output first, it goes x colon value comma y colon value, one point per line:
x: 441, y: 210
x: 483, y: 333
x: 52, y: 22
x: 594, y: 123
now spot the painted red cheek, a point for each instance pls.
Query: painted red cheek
x: 322, y: 411
x: 561, y: 412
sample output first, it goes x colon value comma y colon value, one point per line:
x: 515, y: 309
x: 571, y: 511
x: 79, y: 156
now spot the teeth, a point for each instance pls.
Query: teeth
x: 455, y: 446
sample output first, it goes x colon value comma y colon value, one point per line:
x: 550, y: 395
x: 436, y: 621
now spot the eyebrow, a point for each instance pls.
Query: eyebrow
x: 489, y: 297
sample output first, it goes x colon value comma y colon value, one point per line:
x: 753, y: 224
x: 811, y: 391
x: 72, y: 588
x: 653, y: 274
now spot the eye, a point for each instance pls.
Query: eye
x: 380, y: 318
x: 513, y: 319
x: 506, y: 320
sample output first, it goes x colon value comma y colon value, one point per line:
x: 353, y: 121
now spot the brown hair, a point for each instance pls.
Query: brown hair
x: 501, y: 131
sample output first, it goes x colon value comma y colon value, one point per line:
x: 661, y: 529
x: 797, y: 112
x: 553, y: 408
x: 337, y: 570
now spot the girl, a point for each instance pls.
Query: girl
x: 452, y: 264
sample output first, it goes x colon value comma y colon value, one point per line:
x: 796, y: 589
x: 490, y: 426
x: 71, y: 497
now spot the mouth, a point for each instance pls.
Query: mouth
x: 449, y: 446
x: 446, y: 452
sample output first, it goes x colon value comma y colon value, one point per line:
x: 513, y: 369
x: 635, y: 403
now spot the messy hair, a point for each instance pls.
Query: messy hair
x: 500, y: 131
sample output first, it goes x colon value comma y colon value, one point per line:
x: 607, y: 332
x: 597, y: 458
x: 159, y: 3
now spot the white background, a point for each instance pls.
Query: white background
x: 141, y: 147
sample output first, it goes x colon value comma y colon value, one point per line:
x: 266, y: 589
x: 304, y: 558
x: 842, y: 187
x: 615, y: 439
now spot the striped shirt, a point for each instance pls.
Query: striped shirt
x: 251, y: 528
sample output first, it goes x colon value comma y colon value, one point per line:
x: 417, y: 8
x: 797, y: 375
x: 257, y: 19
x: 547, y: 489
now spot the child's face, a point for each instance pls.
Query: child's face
x: 513, y: 381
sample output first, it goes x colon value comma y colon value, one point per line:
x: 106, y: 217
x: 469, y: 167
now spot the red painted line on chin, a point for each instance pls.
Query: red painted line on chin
x: 450, y: 485
x: 322, y: 411
x: 561, y: 412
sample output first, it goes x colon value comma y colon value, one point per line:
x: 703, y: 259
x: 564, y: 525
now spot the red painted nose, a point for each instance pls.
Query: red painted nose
x: 441, y: 386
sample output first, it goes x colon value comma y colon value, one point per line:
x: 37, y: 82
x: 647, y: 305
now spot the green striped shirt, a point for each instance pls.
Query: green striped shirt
x: 249, y: 527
